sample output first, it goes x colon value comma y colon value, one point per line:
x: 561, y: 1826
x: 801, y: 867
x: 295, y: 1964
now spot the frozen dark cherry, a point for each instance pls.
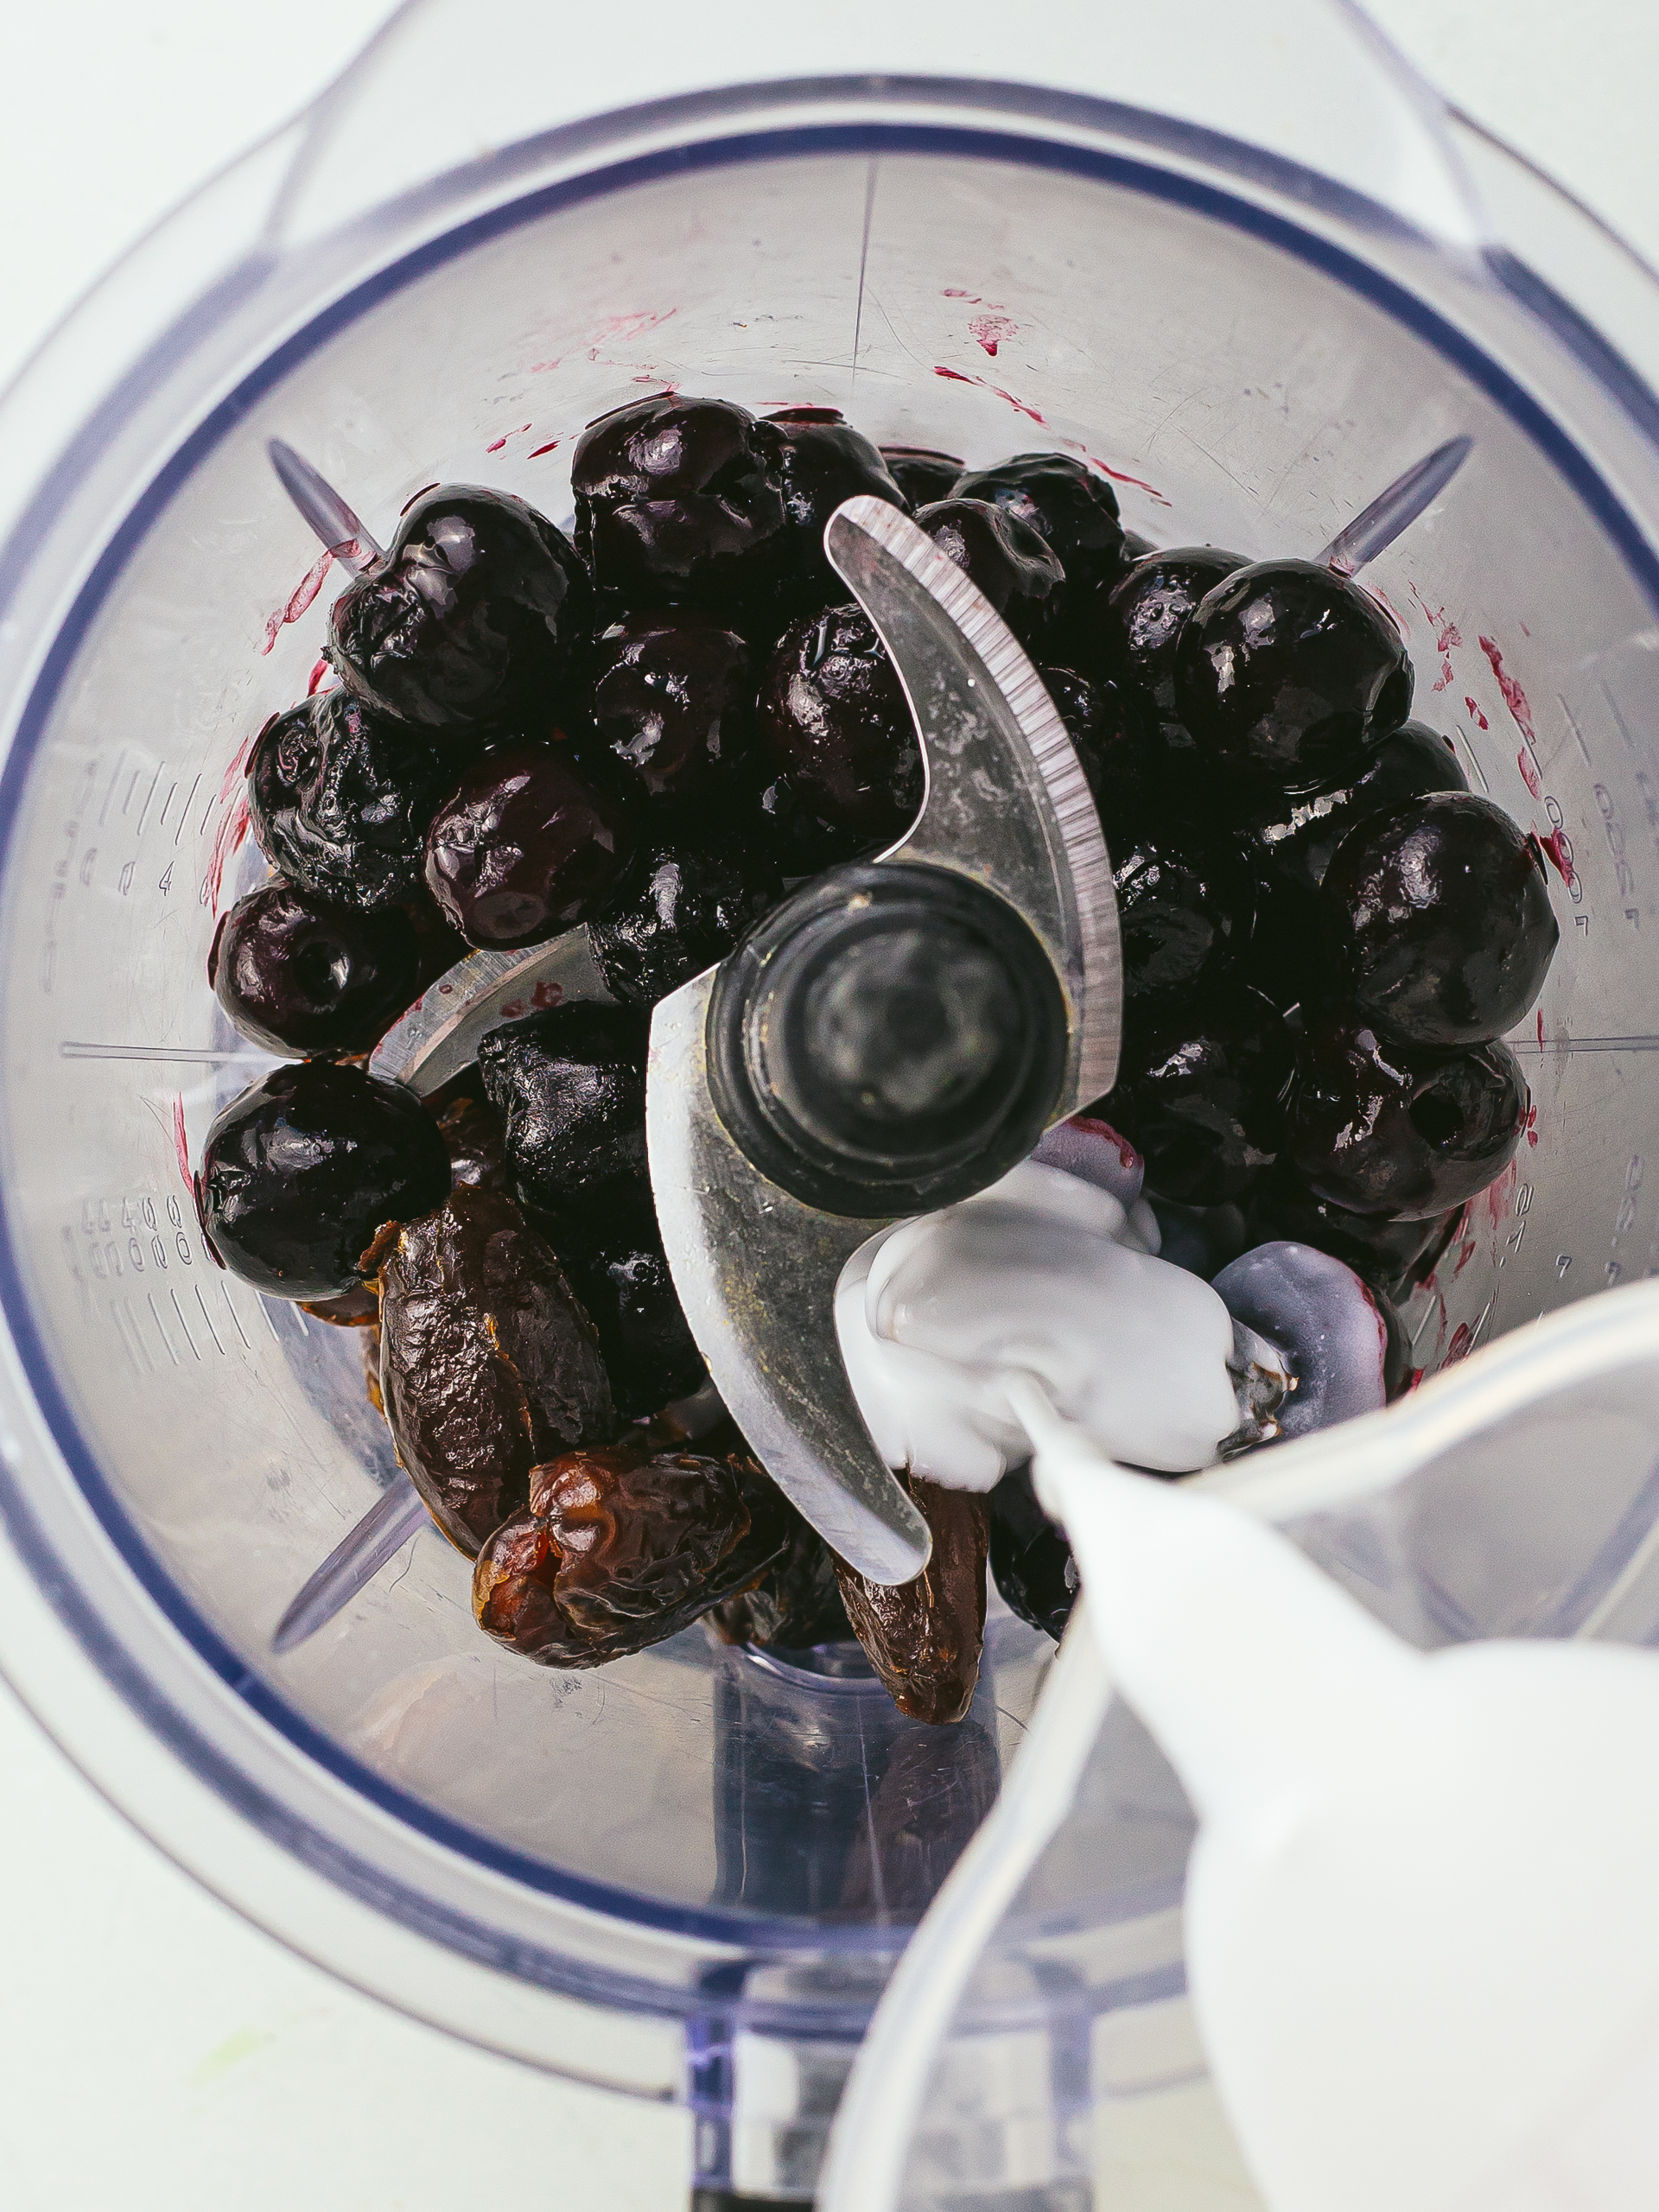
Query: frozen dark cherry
x: 1286, y: 674
x: 1199, y: 1096
x: 1071, y: 509
x: 1298, y: 839
x: 823, y: 461
x: 487, y: 1362
x: 299, y: 974
x: 526, y: 848
x: 1386, y: 1253
x: 833, y: 719
x: 1394, y: 1129
x: 570, y: 1085
x: 340, y: 797
x: 1031, y: 1561
x: 1015, y: 569
x: 673, y: 705
x: 299, y: 1174
x: 923, y: 1638
x: 1294, y: 953
x: 621, y: 1275
x: 922, y: 474
x: 681, y: 502
x: 475, y: 1132
x: 1201, y: 1239
x: 1137, y: 621
x: 1184, y: 912
x: 682, y: 907
x: 1116, y: 742
x: 472, y: 622
x: 617, y: 1549
x: 1446, y: 930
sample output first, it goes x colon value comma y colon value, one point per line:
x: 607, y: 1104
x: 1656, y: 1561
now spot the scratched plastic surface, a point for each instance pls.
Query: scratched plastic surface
x: 1241, y: 394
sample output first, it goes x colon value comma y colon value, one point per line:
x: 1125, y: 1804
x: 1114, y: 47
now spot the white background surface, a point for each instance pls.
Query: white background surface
x: 155, y: 2054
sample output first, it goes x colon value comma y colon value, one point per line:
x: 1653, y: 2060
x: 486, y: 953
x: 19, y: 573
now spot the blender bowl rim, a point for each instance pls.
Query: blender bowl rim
x: 416, y: 1906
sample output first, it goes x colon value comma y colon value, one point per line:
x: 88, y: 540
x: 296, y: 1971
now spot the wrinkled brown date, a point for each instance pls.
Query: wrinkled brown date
x: 487, y: 1363
x: 797, y: 1601
x: 619, y: 1548
x: 923, y: 1638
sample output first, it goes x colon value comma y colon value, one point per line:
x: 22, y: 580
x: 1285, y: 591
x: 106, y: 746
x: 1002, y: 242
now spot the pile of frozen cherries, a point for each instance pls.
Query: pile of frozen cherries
x: 651, y: 730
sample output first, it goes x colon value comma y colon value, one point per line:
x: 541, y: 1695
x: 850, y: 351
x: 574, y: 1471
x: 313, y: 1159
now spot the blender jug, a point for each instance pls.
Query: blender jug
x: 1251, y: 279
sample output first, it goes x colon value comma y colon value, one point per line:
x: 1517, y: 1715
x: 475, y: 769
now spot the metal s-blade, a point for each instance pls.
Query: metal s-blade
x: 440, y: 1035
x: 1007, y: 803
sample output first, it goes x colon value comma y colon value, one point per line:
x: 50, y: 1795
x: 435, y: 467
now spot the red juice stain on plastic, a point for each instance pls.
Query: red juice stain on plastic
x: 1117, y: 475
x: 297, y: 602
x: 990, y: 331
x: 1475, y: 711
x: 1553, y: 849
x: 1446, y: 634
x: 180, y: 1143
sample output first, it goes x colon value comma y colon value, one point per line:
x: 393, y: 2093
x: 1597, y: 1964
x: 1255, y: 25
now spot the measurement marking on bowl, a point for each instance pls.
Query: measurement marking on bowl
x: 155, y: 1316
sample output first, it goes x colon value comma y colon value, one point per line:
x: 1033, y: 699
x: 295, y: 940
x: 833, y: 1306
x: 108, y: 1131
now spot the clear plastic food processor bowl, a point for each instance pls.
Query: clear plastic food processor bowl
x: 1251, y: 276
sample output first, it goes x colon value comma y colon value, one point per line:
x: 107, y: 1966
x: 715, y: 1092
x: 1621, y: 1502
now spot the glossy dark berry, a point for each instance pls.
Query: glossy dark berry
x: 621, y: 1275
x: 300, y: 975
x: 1286, y: 674
x: 1200, y: 1097
x: 823, y: 461
x: 673, y: 703
x: 1139, y: 620
x: 472, y: 623
x: 1397, y: 1130
x: 682, y: 908
x: 1201, y: 1239
x: 1073, y: 510
x: 571, y: 1085
x: 1116, y: 744
x: 1385, y: 1252
x: 681, y: 502
x: 1295, y: 952
x: 340, y: 797
x: 834, y: 719
x: 1031, y: 1561
x: 1182, y: 913
x: 299, y: 1174
x: 922, y: 474
x: 1298, y: 840
x: 487, y: 1362
x: 797, y: 838
x: 1015, y: 567
x: 526, y: 848
x: 1447, y: 932
x: 475, y: 1132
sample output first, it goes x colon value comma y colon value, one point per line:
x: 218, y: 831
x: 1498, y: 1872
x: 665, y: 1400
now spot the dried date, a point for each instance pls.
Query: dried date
x: 923, y: 1638
x: 488, y: 1366
x: 617, y: 1549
